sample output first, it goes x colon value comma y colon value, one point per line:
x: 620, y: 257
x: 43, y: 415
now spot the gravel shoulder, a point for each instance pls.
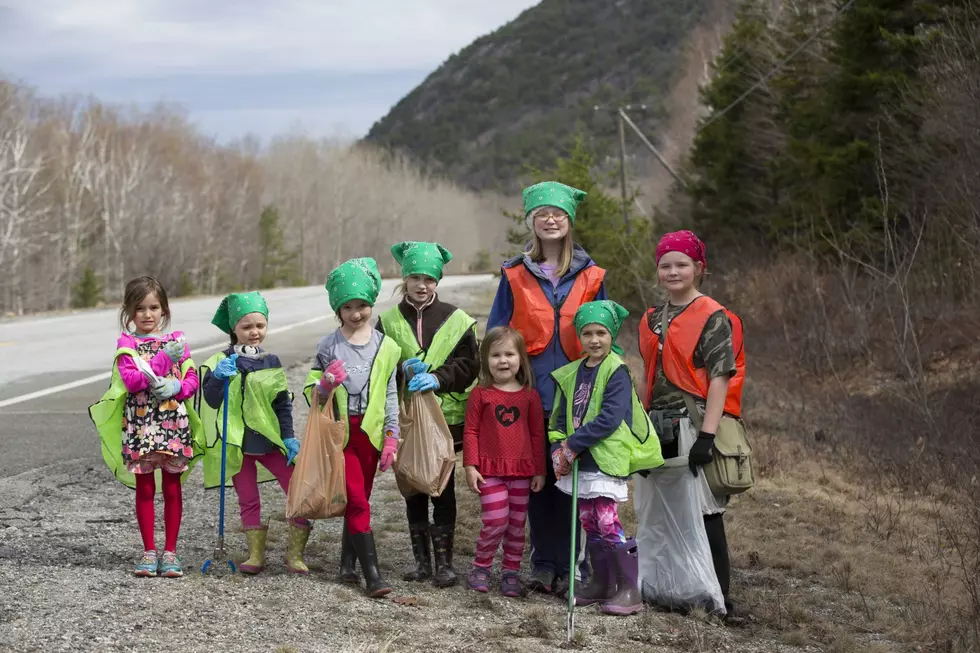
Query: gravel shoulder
x: 68, y: 541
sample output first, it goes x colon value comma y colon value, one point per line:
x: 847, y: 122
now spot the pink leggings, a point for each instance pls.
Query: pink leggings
x: 504, y: 511
x: 600, y: 519
x: 247, y: 486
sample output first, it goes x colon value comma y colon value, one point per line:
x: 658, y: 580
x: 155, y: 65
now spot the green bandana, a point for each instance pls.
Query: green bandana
x: 236, y: 306
x: 421, y: 258
x: 607, y: 313
x: 552, y: 193
x: 357, y: 278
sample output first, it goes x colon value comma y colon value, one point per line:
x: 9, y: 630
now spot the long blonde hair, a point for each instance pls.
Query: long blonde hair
x: 536, y: 253
x: 498, y: 334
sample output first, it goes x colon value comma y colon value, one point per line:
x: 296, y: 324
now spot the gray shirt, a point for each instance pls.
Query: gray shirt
x: 358, y: 360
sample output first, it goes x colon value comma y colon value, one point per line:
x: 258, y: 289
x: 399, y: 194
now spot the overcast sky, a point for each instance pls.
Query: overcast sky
x: 242, y: 66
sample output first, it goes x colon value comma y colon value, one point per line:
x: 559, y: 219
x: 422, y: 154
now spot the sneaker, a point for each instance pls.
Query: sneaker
x: 541, y: 581
x: 479, y: 579
x: 147, y: 566
x: 510, y: 585
x: 170, y: 565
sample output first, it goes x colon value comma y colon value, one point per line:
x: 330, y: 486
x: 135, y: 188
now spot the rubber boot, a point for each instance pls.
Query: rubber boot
x: 348, y: 560
x: 256, y: 550
x: 420, y: 549
x: 442, y: 549
x: 602, y: 586
x: 367, y: 555
x: 627, y: 600
x: 298, y: 537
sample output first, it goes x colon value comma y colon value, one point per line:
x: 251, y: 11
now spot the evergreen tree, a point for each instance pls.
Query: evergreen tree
x: 275, y: 258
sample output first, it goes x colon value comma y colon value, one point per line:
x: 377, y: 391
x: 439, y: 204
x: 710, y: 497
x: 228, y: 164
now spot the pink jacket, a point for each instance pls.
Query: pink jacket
x: 161, y: 365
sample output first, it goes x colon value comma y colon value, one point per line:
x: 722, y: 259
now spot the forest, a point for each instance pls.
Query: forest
x: 92, y: 195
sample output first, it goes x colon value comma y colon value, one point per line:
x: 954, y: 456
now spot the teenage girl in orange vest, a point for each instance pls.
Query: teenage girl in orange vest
x: 701, y: 359
x: 539, y: 292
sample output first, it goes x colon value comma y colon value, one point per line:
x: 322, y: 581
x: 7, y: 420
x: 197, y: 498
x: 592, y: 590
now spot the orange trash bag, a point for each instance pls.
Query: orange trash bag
x: 318, y: 487
x: 425, y: 457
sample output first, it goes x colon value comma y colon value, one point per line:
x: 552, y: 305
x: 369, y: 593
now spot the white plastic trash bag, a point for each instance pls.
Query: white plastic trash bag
x: 676, y: 570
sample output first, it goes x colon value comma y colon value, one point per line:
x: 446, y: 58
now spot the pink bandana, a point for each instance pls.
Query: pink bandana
x: 683, y: 241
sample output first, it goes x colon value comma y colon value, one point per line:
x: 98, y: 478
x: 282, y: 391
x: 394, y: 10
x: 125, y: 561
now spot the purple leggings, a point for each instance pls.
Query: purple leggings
x: 247, y: 486
x: 600, y: 519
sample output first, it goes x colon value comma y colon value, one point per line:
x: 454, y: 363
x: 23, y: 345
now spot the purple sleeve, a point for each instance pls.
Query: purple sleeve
x: 503, y: 304
x: 132, y: 378
x: 188, y: 385
x: 601, y: 295
x: 615, y: 407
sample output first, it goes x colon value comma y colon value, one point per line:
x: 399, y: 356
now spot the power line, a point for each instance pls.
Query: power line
x: 778, y: 67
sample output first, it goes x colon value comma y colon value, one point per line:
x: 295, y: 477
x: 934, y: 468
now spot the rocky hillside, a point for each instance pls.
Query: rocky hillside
x: 513, y: 98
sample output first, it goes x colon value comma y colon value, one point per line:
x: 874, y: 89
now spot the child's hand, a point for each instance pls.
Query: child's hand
x: 474, y: 480
x: 537, y: 483
x: 174, y: 349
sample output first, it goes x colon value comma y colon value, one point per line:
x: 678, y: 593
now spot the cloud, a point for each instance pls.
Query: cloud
x: 228, y: 55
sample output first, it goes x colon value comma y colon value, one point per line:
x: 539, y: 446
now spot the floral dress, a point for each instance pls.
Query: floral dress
x: 155, y: 434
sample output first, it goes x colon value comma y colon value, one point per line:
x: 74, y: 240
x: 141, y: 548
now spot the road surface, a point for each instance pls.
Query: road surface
x: 52, y: 369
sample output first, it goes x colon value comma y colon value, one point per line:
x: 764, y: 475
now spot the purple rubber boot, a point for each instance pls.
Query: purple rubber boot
x: 627, y: 600
x: 602, y: 586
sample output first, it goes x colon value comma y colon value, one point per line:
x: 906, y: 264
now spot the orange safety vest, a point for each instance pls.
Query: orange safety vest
x: 683, y: 334
x: 534, y: 316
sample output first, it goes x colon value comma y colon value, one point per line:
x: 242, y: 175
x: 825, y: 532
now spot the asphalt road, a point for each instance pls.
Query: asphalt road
x: 71, y: 354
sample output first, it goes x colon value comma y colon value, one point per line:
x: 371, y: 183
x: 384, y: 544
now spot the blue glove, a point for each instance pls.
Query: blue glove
x: 423, y: 382
x: 226, y: 368
x: 292, y: 446
x: 414, y: 366
x: 174, y: 349
x: 166, y: 389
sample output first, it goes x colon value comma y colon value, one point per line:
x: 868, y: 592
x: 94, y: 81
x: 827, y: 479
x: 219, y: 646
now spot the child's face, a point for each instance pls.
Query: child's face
x: 504, y: 361
x: 355, y: 313
x: 596, y: 341
x: 550, y: 223
x: 251, y: 329
x: 677, y: 272
x: 420, y: 288
x: 148, y: 314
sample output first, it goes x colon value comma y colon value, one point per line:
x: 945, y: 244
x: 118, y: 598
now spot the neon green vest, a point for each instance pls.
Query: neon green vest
x: 107, y: 414
x: 443, y: 343
x: 625, y: 451
x: 251, y: 405
x: 384, y: 364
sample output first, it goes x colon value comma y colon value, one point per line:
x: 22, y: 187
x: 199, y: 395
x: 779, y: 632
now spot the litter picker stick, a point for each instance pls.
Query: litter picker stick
x: 573, y: 557
x: 219, y: 549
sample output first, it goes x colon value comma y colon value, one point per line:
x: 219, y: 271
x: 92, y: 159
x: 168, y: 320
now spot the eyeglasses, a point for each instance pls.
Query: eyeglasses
x: 558, y: 218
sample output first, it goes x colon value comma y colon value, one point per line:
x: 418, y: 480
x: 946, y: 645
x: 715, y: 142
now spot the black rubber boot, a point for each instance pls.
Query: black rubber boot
x: 442, y: 549
x: 348, y: 560
x: 367, y: 555
x: 423, y: 554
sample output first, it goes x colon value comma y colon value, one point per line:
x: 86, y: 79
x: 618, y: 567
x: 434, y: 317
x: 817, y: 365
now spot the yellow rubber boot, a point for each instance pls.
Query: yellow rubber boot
x: 256, y: 551
x: 298, y: 536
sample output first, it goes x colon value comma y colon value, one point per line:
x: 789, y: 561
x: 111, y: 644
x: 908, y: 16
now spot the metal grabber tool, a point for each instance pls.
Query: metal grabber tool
x: 220, y: 554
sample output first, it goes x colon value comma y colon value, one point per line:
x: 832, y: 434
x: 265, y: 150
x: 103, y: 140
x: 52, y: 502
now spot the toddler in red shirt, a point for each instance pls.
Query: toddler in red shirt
x: 503, y: 454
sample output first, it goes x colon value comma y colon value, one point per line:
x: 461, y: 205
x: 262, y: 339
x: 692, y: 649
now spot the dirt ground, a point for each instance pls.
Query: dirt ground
x: 68, y: 541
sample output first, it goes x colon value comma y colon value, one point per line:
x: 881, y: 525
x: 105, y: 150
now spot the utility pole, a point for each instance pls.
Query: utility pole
x: 620, y: 115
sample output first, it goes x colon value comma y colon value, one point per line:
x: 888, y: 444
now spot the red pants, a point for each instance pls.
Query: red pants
x: 360, y: 465
x: 247, y: 486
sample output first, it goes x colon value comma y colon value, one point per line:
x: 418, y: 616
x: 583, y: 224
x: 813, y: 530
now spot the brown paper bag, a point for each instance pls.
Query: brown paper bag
x: 425, y: 454
x: 318, y: 487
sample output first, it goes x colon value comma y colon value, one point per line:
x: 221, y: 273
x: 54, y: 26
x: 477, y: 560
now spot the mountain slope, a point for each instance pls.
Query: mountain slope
x: 514, y: 98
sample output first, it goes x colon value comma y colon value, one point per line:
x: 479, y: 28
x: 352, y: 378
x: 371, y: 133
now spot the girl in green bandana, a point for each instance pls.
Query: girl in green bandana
x: 357, y: 364
x: 599, y: 420
x: 261, y: 441
x: 439, y: 353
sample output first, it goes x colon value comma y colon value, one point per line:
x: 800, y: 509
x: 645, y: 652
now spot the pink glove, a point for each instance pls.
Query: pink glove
x: 388, y: 452
x: 332, y: 377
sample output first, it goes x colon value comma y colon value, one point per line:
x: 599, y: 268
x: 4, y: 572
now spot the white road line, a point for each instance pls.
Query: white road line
x: 104, y: 376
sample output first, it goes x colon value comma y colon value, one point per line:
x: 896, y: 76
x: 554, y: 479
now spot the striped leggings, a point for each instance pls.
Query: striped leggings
x: 504, y: 510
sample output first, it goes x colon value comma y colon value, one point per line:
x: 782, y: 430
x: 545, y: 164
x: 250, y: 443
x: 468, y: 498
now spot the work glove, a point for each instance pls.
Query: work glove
x: 165, y: 389
x: 332, y: 377
x: 414, y: 366
x: 702, y: 451
x: 422, y: 382
x: 226, y: 368
x: 388, y: 452
x: 292, y: 448
x: 174, y: 349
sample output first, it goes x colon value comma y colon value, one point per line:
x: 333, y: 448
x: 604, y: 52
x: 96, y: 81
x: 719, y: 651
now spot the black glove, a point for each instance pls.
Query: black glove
x: 701, y: 452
